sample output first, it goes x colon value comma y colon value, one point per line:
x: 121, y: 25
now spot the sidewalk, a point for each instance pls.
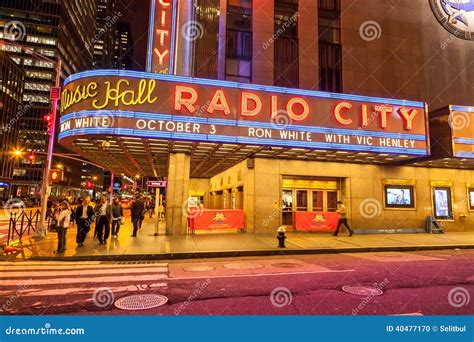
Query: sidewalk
x: 227, y: 244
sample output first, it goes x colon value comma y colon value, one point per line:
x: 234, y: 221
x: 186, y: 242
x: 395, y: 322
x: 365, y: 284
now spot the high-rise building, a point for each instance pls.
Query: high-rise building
x: 62, y: 29
x: 12, y: 82
x: 123, y: 47
x: 104, y: 40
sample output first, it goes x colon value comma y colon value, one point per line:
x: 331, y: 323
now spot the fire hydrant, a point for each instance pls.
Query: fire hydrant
x: 281, y: 237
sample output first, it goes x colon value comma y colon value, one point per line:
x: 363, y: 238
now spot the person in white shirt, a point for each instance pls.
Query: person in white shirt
x: 341, y: 209
x: 63, y: 218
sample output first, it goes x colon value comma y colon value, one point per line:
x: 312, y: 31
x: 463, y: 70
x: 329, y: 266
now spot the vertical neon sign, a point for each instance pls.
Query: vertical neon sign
x: 161, y: 36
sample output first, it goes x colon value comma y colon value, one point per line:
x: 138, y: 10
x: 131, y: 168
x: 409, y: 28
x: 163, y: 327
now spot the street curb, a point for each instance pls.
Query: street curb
x: 224, y: 254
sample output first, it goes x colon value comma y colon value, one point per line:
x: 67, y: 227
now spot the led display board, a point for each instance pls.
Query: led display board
x: 127, y: 103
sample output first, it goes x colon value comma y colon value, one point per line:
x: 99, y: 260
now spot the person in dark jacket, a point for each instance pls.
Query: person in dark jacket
x: 84, y: 218
x: 117, y: 217
x: 137, y: 211
x: 103, y: 212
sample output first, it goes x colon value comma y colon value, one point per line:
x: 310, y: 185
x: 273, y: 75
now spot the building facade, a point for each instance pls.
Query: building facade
x: 12, y: 82
x: 54, y: 30
x: 281, y: 109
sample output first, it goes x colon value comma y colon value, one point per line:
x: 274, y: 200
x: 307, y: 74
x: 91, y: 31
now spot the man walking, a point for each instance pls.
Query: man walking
x: 84, y: 214
x: 104, y: 213
x: 341, y: 209
x: 137, y: 212
x: 117, y: 217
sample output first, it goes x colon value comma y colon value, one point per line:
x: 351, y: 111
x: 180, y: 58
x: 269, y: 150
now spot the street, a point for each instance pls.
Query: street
x: 415, y: 283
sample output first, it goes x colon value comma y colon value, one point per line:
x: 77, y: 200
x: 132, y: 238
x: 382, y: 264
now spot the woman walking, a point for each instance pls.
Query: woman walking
x: 63, y: 218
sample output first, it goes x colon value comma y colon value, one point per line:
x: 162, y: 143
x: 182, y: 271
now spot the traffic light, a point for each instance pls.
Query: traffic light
x: 89, y: 185
x: 55, y: 176
x: 49, y: 122
x: 31, y: 158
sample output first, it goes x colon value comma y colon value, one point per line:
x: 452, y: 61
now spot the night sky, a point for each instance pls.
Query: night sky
x: 136, y: 13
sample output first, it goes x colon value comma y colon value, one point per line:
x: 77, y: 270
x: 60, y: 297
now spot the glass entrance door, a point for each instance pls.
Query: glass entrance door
x: 307, y: 200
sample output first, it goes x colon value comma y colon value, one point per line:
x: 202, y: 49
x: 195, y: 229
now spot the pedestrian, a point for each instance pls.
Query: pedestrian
x: 54, y: 211
x: 63, y: 218
x: 103, y: 211
x: 151, y: 207
x: 84, y: 218
x: 137, y: 210
x: 117, y: 217
x: 341, y: 209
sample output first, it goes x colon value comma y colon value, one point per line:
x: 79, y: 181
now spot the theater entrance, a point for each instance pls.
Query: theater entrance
x: 308, y: 195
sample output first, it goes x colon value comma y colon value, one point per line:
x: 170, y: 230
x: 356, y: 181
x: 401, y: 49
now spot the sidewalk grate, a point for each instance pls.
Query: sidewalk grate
x: 362, y: 290
x: 140, y: 302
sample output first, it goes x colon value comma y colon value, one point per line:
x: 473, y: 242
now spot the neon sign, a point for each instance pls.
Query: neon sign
x: 175, y: 107
x: 161, y: 36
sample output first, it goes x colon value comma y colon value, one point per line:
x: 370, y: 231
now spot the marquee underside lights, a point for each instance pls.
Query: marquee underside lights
x: 150, y: 105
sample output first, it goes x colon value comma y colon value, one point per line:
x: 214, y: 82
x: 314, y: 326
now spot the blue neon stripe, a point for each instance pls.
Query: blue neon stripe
x: 173, y: 36
x: 464, y: 154
x: 241, y: 140
x: 462, y: 109
x: 464, y: 141
x: 239, y: 123
x: 244, y: 86
x: 150, y: 37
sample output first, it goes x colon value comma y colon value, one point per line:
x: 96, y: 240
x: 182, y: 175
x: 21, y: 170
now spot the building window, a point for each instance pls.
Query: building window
x: 330, y: 50
x: 207, y: 46
x: 239, y: 41
x: 286, y: 46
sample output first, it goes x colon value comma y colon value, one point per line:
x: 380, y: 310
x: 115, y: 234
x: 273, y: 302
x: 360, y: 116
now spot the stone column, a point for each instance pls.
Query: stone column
x: 177, y: 193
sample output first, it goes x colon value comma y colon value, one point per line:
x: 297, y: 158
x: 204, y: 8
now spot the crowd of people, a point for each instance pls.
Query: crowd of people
x: 105, y: 217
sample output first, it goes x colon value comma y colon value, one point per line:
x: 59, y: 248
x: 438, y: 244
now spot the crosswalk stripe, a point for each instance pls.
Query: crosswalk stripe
x: 82, y: 267
x: 60, y: 273
x: 78, y: 290
x: 65, y: 264
x: 61, y: 281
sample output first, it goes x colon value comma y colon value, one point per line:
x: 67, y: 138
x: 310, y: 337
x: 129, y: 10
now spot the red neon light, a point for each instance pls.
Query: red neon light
x: 218, y: 102
x: 338, y: 115
x: 246, y: 109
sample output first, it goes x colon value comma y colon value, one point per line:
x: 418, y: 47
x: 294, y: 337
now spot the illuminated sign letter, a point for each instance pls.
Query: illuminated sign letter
x: 384, y: 111
x: 338, y: 115
x: 179, y: 101
x: 365, y: 115
x: 218, y: 102
x: 245, y: 107
x: 408, y: 117
x: 303, y: 103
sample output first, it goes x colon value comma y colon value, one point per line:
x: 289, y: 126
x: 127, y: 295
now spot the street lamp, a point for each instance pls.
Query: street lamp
x: 17, y: 153
x: 41, y: 228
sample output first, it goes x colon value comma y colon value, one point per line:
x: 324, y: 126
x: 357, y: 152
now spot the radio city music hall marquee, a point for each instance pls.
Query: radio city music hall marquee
x: 126, y: 103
